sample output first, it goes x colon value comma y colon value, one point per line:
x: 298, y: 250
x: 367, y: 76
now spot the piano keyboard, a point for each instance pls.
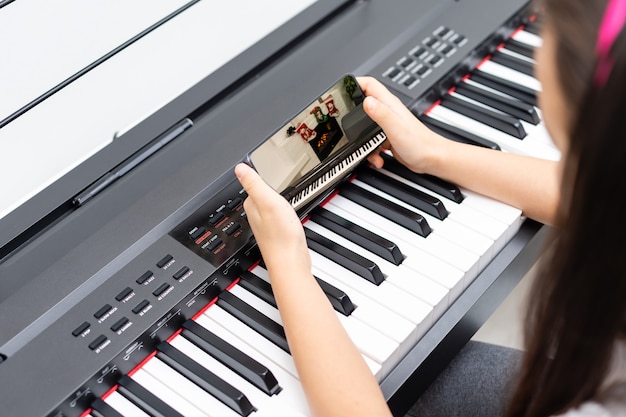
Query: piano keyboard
x: 391, y: 249
x: 336, y: 173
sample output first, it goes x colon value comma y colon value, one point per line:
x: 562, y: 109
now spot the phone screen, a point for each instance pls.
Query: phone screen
x: 330, y: 126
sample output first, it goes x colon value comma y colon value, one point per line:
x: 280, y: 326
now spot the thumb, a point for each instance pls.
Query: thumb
x: 249, y: 178
x: 379, y: 112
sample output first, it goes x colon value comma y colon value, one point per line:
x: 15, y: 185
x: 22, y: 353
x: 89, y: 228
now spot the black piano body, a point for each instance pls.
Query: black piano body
x: 54, y: 280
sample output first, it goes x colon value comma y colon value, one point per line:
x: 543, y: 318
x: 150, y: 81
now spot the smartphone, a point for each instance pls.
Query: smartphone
x: 301, y: 159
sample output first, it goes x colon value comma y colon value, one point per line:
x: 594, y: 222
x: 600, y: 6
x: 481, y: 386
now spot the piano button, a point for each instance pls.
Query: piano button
x: 205, y: 379
x: 406, y: 218
x: 521, y: 65
x: 459, y: 40
x: 409, y: 81
x: 257, y: 340
x: 439, y: 186
x: 432, y: 42
x: 435, y: 60
x: 144, y: 399
x: 165, y: 261
x: 406, y: 305
x: 446, y: 251
x: 181, y: 273
x: 161, y: 289
x: 178, y: 392
x: 340, y: 301
x: 216, y: 218
x: 520, y: 48
x: 421, y: 70
x: 248, y: 368
x: 449, y: 230
x: 447, y: 50
x: 214, y: 244
x: 102, y: 409
x: 98, y: 341
x: 442, y: 31
x: 141, y: 306
x: 384, y: 248
x: 514, y: 107
x: 415, y: 198
x: 516, y: 90
x: 351, y: 261
x: 499, y: 121
x: 393, y: 73
x: 406, y: 62
x: 196, y: 232
x: 145, y: 277
x: 291, y: 392
x: 119, y: 403
x: 419, y: 52
x: 102, y: 311
x: 81, y: 329
x: 399, y: 275
x: 117, y: 326
x: 234, y: 203
x: 458, y: 135
x: 232, y: 229
x: 124, y: 294
x: 418, y: 260
x: 265, y: 404
x: 255, y: 319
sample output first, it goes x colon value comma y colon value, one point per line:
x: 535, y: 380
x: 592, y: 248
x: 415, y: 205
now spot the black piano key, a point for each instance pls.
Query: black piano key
x: 339, y: 299
x: 257, y: 286
x: 344, y: 257
x: 456, y: 134
x: 437, y: 185
x: 398, y: 214
x: 514, y: 107
x: 263, y: 289
x: 144, y: 399
x: 514, y: 62
x: 502, y: 122
x: 205, y: 379
x: 518, y: 91
x: 101, y: 409
x: 240, y: 363
x: 533, y: 27
x: 403, y: 192
x: 253, y: 318
x: 359, y: 235
x: 521, y: 48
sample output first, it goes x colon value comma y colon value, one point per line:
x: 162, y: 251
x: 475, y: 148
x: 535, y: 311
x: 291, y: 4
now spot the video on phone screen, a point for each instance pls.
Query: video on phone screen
x: 312, y: 137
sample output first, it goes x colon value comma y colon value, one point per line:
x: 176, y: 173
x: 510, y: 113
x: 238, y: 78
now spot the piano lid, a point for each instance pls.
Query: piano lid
x: 75, y: 83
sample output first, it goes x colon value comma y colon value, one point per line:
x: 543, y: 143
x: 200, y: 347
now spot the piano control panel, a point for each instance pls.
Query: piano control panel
x: 219, y: 228
x: 417, y: 59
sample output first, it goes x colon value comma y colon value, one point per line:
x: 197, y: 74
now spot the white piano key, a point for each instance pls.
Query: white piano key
x: 455, y: 233
x: 266, y: 405
x: 420, y: 261
x: 369, y: 342
x: 461, y: 213
x: 290, y: 385
x: 402, y: 277
x: 528, y: 38
x: 409, y: 307
x: 514, y: 54
x: 269, y: 349
x: 510, y: 74
x: 506, y: 213
x: 367, y: 311
x: 444, y: 250
x: 179, y: 392
x: 122, y: 405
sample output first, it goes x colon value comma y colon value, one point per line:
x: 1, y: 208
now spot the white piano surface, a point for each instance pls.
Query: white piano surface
x: 50, y: 41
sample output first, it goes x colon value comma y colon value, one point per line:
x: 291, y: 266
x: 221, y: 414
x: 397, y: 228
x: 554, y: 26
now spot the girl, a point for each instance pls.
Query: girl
x: 575, y: 356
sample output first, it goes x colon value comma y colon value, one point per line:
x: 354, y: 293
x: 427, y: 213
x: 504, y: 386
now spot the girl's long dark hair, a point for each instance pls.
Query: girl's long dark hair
x: 577, y: 306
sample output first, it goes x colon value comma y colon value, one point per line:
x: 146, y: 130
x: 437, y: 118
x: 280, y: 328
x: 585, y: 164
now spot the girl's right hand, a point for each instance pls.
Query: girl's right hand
x: 411, y: 143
